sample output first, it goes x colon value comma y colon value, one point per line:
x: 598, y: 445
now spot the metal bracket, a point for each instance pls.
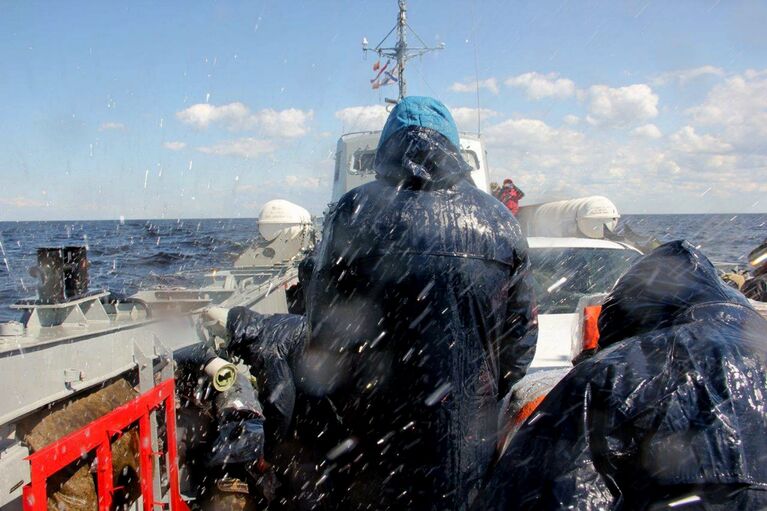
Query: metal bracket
x: 146, y: 382
x: 165, y: 365
x: 72, y: 377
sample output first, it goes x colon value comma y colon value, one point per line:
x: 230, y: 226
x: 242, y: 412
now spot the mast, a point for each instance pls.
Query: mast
x: 401, y: 52
x: 402, y: 47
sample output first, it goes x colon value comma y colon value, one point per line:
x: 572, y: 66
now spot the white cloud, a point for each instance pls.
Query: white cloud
x: 687, y: 140
x: 23, y: 202
x: 289, y: 123
x: 202, y: 115
x: 303, y: 181
x: 617, y: 171
x: 359, y: 118
x: 621, y: 106
x: 106, y: 126
x: 650, y: 131
x: 539, y: 86
x: 373, y: 117
x: 738, y: 108
x: 682, y: 76
x: 174, y: 146
x: 248, y: 147
x: 571, y: 120
x: 491, y: 84
x: 466, y: 117
x: 533, y: 143
x: 724, y: 143
x: 720, y: 152
x: 552, y: 163
x: 529, y: 132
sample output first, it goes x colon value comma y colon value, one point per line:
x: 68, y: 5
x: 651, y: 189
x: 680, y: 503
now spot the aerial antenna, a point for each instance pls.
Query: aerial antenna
x: 401, y: 52
x: 476, y: 69
x: 476, y: 77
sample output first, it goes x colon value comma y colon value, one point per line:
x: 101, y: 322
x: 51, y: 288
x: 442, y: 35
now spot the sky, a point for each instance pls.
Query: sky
x: 203, y: 109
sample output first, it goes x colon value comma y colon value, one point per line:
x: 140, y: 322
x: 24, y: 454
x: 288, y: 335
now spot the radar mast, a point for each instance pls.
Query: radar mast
x: 401, y: 52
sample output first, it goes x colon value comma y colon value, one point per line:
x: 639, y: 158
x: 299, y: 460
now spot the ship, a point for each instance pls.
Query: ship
x: 70, y: 343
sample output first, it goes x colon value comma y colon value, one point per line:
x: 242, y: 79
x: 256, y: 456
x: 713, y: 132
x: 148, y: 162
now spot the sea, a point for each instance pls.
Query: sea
x: 132, y: 254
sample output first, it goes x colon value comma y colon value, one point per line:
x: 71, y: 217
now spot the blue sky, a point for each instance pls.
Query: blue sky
x: 208, y: 109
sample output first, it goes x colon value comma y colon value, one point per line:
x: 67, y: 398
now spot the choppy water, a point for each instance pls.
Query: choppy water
x: 123, y: 257
x: 723, y: 238
x: 138, y: 253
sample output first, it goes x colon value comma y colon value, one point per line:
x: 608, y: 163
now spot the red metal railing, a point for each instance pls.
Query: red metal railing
x: 97, y: 436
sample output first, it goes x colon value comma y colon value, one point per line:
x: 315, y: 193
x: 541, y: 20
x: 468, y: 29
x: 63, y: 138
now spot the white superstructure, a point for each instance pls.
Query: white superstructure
x: 356, y: 152
x: 585, y: 216
x: 282, y: 217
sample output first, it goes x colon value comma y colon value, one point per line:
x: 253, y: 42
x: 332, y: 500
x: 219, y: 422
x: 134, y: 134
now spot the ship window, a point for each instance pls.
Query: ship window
x: 363, y: 162
x: 471, y: 158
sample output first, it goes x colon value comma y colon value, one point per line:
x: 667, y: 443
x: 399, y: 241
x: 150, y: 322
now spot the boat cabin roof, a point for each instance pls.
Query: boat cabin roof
x: 355, y: 158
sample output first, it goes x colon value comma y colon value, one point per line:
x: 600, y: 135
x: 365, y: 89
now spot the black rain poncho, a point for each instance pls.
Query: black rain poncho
x: 671, y: 410
x: 270, y: 344
x: 421, y: 315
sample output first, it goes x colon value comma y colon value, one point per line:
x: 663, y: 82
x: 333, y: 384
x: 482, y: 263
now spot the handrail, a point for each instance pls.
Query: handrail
x: 98, y: 436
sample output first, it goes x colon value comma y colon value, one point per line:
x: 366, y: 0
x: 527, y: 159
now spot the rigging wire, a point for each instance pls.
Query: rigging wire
x: 476, y: 65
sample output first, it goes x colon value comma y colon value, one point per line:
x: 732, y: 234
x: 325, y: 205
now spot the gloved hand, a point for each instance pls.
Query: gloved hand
x: 214, y: 320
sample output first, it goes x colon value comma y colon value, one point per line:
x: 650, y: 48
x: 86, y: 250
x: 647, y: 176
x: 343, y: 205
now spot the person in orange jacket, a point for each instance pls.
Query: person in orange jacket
x: 510, y: 195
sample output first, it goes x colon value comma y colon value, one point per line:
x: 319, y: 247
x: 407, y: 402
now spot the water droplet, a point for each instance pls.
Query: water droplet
x: 342, y: 448
x: 439, y: 394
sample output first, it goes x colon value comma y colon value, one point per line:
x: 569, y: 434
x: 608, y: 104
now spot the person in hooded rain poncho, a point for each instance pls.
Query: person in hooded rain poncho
x: 421, y: 316
x: 270, y: 345
x: 671, y: 411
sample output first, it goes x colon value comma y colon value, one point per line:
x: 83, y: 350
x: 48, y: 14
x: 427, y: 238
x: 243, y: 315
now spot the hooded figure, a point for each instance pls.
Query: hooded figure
x: 421, y: 317
x: 510, y: 194
x: 270, y: 345
x: 671, y: 411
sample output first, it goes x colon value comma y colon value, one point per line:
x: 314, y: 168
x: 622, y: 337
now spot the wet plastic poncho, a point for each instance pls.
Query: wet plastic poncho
x: 240, y: 425
x: 270, y: 344
x: 421, y: 317
x: 671, y: 410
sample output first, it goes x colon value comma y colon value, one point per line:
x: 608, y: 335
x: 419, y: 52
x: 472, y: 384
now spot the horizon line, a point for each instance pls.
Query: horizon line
x: 118, y: 219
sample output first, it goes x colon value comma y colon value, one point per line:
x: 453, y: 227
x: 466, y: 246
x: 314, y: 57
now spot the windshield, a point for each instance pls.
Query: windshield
x: 564, y: 275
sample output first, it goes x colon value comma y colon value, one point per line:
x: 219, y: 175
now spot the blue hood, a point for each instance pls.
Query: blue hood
x: 420, y: 147
x: 424, y: 112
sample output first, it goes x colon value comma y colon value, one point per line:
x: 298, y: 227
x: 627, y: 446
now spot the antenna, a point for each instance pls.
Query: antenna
x: 401, y: 52
x: 476, y: 78
x: 476, y: 69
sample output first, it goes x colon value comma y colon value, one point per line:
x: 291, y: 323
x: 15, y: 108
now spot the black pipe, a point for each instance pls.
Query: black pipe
x: 75, y: 272
x: 63, y: 273
x: 50, y: 272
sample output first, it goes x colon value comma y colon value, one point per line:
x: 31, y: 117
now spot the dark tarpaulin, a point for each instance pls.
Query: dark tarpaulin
x: 671, y: 409
x: 240, y: 423
x: 296, y: 425
x: 421, y: 316
x: 270, y: 344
